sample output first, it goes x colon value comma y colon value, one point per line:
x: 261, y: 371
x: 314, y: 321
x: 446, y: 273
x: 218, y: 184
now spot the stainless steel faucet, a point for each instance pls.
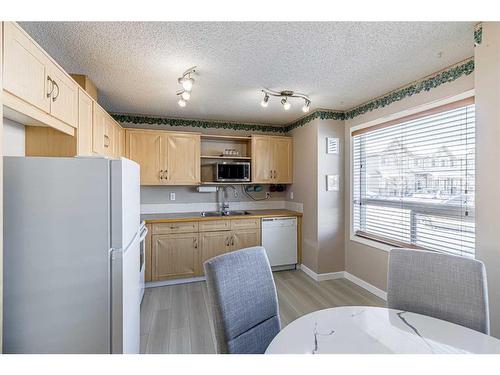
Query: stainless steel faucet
x: 225, y: 204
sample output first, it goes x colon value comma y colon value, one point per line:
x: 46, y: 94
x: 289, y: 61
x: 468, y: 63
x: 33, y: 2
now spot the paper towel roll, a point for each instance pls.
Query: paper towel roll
x: 207, y: 189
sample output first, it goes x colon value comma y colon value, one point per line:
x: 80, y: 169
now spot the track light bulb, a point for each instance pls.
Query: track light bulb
x: 187, y: 84
x: 265, y: 101
x: 181, y: 102
x: 306, y: 108
x: 286, y: 104
x: 186, y: 95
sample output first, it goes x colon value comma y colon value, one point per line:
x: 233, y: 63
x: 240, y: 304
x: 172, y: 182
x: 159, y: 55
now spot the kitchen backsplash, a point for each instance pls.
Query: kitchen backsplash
x: 156, y: 199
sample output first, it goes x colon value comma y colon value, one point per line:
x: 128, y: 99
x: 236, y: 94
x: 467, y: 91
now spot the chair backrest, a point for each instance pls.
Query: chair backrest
x: 243, y: 299
x: 443, y: 286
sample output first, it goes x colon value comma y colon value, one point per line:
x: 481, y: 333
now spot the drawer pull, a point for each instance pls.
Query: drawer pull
x: 232, y: 240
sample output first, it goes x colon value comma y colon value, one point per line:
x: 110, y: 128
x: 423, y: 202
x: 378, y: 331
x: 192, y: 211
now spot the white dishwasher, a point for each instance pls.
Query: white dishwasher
x: 279, y: 238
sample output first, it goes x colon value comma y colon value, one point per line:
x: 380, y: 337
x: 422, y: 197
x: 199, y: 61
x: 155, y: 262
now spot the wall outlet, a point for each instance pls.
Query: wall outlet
x: 172, y: 196
x: 268, y: 195
x: 291, y: 195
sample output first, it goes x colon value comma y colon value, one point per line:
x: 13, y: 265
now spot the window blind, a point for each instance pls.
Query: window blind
x: 413, y: 181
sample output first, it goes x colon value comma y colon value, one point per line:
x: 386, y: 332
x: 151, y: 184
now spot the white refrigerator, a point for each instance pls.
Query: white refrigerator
x: 72, y: 255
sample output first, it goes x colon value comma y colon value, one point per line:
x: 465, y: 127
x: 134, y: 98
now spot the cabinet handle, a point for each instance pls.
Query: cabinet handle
x: 161, y: 174
x: 57, y: 87
x: 106, y: 144
x: 271, y: 174
x: 166, y: 174
x: 232, y: 240
x: 195, y: 243
x: 275, y: 174
x: 227, y: 241
x: 49, y: 80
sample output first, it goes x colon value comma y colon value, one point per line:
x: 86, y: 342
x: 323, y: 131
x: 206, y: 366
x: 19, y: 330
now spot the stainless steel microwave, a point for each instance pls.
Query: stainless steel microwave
x: 229, y: 171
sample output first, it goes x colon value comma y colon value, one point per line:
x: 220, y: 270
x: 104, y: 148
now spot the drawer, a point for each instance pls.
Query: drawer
x: 175, y: 227
x: 214, y: 225
x: 245, y: 224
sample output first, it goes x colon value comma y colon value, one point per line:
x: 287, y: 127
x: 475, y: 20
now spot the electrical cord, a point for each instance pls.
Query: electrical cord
x: 244, y: 190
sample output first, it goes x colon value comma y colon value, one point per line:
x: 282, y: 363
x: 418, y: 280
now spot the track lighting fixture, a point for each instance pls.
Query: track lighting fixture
x: 264, y: 103
x: 306, y: 106
x: 286, y: 104
x: 187, y: 85
x: 286, y: 94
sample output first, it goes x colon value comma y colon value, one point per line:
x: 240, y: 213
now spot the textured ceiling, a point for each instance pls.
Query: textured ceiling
x: 135, y: 65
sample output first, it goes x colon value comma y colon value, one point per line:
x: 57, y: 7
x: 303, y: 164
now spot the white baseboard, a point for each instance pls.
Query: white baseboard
x: 321, y: 276
x: 344, y: 274
x: 187, y: 280
x: 363, y: 284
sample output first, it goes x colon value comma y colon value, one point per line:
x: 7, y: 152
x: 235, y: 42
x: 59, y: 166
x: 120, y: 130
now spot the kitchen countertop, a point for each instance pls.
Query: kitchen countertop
x: 196, y: 216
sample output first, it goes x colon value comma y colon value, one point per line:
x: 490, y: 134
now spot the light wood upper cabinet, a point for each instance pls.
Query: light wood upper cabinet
x: 98, y: 130
x: 32, y: 76
x: 282, y: 158
x: 145, y: 148
x: 64, y: 97
x: 85, y: 119
x: 166, y: 158
x: 175, y: 255
x: 25, y: 74
x: 262, y: 154
x: 183, y: 158
x: 272, y: 159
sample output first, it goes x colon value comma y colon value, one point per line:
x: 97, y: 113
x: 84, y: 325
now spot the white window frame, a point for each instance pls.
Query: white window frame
x: 394, y: 116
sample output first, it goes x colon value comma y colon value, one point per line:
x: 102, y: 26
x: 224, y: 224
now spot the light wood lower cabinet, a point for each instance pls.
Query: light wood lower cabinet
x: 245, y: 238
x: 213, y: 244
x: 175, y: 255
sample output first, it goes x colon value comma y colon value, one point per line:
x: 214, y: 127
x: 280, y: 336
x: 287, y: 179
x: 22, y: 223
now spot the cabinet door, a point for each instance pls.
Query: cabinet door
x: 25, y: 68
x: 120, y: 141
x: 213, y: 244
x: 282, y: 160
x: 175, y: 255
x: 145, y: 149
x: 244, y: 238
x: 64, y: 97
x: 84, y: 131
x: 262, y: 160
x: 99, y: 143
x: 183, y: 159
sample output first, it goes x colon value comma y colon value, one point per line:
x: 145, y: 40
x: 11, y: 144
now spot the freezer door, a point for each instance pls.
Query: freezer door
x: 56, y: 255
x: 125, y: 301
x: 125, y: 202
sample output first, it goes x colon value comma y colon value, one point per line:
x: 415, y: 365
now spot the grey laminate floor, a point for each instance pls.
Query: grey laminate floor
x: 174, y: 319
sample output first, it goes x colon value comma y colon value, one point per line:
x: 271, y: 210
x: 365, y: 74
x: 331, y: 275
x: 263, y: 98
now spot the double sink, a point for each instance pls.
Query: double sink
x: 224, y: 213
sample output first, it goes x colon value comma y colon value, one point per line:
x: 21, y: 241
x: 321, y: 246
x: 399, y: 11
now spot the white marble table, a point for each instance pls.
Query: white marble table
x: 377, y: 330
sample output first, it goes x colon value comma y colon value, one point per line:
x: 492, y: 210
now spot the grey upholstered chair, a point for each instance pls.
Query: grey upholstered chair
x: 446, y: 287
x: 243, y: 300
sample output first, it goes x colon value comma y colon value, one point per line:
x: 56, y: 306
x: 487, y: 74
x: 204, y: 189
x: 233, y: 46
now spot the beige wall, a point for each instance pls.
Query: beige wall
x: 1, y: 192
x: 304, y: 187
x: 322, y: 224
x: 330, y: 203
x: 366, y: 262
x: 189, y: 194
x: 487, y: 84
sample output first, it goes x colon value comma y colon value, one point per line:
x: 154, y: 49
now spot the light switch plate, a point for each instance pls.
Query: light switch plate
x: 332, y: 182
x: 172, y: 196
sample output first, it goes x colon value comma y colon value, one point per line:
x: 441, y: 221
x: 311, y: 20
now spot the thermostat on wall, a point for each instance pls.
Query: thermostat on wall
x: 332, y: 145
x: 332, y: 182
